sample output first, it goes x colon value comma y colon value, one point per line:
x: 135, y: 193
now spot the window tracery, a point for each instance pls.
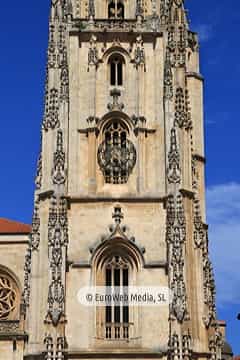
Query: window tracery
x: 8, y: 297
x: 116, y: 9
x: 116, y: 154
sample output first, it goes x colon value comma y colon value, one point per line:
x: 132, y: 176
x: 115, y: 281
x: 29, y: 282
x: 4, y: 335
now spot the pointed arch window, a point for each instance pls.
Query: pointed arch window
x: 116, y: 264
x: 116, y: 9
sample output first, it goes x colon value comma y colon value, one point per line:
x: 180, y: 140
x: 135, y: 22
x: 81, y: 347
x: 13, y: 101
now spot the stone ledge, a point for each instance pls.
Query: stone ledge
x: 149, y: 265
x: 139, y: 199
x: 195, y: 75
x: 120, y: 354
x: 199, y: 158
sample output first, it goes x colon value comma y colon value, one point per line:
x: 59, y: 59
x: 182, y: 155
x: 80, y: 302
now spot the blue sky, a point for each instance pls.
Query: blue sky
x: 23, y: 38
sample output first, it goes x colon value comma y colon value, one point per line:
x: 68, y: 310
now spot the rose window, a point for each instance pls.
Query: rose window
x: 8, y: 297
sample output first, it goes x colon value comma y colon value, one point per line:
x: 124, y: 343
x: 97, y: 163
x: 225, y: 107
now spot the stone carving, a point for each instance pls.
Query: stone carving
x: 52, y: 55
x: 117, y: 162
x: 48, y: 341
x: 78, y: 8
x: 93, y: 51
x: 215, y: 345
x: 174, y: 347
x: 57, y: 65
x: 199, y: 231
x: 38, y: 179
x: 168, y: 78
x: 54, y: 350
x: 182, y: 113
x: 91, y: 9
x: 64, y: 79
x: 9, y: 327
x: 51, y: 118
x: 27, y: 272
x: 139, y: 8
x: 116, y: 154
x: 115, y: 105
x: 60, y: 347
x: 139, y: 55
x: 117, y: 230
x: 8, y: 297
x: 192, y: 41
x: 59, y: 171
x: 209, y: 290
x: 201, y: 241
x: 35, y: 235
x: 68, y: 8
x: 138, y: 121
x: 151, y: 24
x: 176, y: 237
x: 57, y: 243
x: 174, y: 172
x: 180, y: 347
x: 186, y: 346
x: 177, y: 42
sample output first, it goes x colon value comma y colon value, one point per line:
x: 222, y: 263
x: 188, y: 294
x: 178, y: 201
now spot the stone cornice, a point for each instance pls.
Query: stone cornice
x: 131, y: 354
x: 149, y: 265
x: 132, y: 199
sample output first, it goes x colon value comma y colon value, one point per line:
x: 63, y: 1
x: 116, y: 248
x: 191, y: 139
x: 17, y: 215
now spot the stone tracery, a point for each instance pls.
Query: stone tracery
x: 8, y: 297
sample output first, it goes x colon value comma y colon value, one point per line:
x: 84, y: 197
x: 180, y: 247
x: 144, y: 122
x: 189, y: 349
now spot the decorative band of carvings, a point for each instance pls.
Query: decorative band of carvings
x: 11, y: 330
x: 8, y: 326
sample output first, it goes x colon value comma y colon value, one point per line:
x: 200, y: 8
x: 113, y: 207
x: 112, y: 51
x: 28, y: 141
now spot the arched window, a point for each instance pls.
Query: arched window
x: 115, y: 9
x: 116, y: 263
x: 116, y: 154
x: 9, y: 297
x: 117, y: 314
x: 116, y: 70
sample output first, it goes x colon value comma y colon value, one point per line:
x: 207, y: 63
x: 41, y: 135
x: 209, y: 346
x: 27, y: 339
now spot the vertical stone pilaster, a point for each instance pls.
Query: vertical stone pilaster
x: 46, y: 258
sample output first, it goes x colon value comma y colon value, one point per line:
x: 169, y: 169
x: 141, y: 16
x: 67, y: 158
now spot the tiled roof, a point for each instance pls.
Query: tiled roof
x: 13, y: 227
x: 236, y: 357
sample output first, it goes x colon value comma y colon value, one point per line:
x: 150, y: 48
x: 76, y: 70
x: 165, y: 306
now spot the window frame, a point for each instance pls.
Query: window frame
x: 117, y: 316
x: 116, y: 5
x: 116, y: 70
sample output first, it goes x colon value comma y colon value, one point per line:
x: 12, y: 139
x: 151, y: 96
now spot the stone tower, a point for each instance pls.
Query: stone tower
x: 120, y: 188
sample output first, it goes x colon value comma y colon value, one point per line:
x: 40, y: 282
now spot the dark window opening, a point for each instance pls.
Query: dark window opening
x: 116, y: 71
x: 117, y: 313
x: 116, y: 10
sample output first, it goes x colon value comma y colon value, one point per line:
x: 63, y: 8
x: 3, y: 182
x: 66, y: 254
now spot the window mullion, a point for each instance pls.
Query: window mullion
x: 121, y: 288
x: 113, y: 288
x: 116, y: 74
x: 116, y: 15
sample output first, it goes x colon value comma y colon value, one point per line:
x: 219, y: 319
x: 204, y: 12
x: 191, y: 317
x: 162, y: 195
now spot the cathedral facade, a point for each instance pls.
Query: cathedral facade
x: 120, y: 193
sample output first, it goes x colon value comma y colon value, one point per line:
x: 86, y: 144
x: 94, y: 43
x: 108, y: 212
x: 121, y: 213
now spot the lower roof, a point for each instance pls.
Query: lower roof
x: 13, y: 227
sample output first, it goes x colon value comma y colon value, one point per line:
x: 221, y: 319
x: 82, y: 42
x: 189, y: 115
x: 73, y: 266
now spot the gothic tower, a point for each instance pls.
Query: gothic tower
x: 120, y: 188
